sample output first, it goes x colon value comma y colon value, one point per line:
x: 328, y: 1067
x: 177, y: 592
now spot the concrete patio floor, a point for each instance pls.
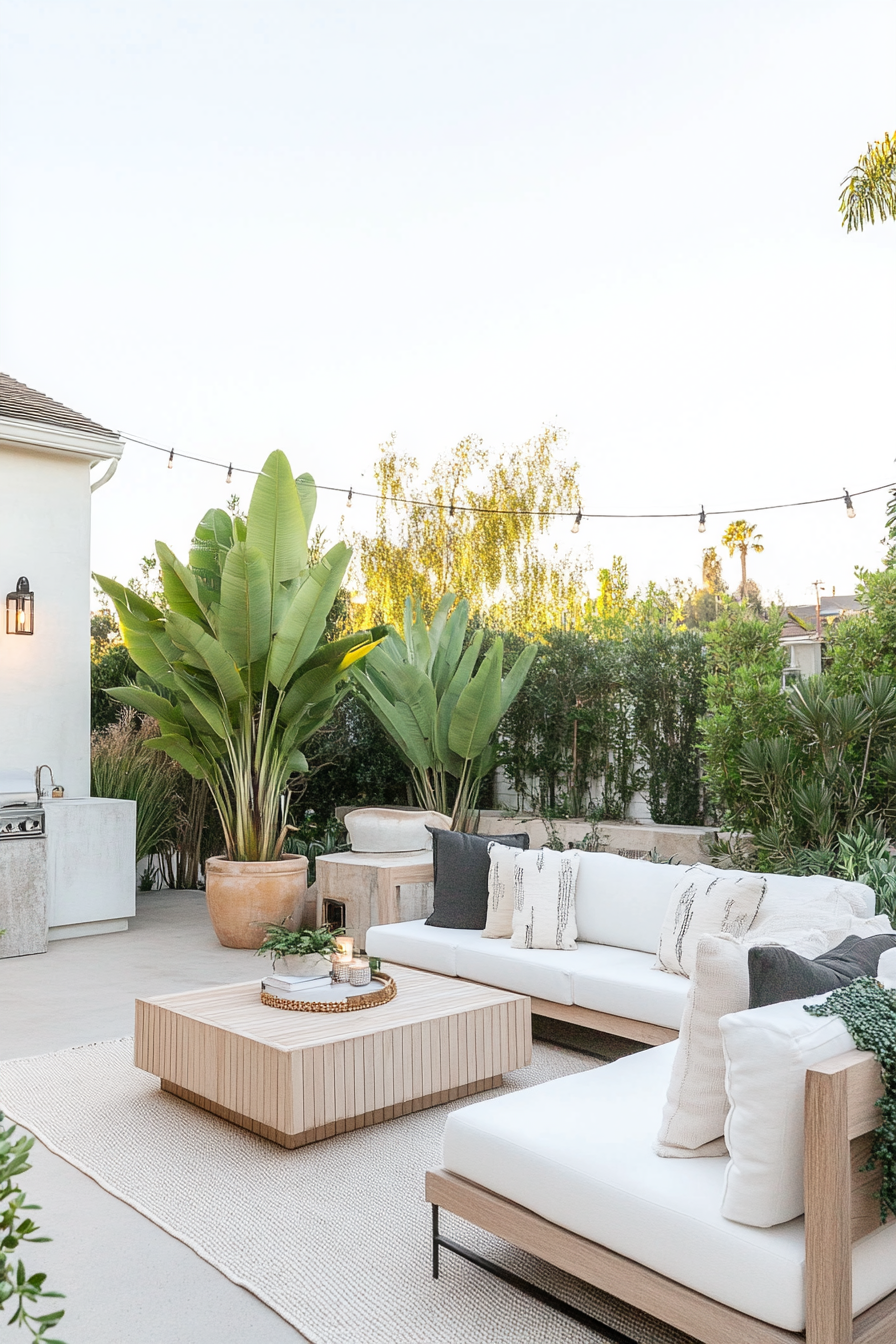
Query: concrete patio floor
x: 126, y: 1281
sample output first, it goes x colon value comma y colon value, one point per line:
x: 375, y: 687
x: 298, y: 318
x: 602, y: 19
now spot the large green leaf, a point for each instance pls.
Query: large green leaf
x: 181, y: 587
x: 400, y: 724
x: 129, y: 600
x: 513, y: 682
x: 448, y: 704
x: 478, y: 710
x: 146, y: 702
x: 303, y: 626
x: 214, y: 657
x: 244, y: 617
x: 437, y: 628
x: 185, y: 753
x: 206, y: 707
x: 275, y: 525
x: 307, y: 492
x: 450, y: 648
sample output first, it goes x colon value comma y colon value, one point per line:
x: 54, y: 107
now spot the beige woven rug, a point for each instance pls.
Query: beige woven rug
x: 334, y: 1237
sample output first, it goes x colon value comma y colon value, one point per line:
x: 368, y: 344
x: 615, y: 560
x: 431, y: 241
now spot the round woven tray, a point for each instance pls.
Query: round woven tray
x: 352, y: 1004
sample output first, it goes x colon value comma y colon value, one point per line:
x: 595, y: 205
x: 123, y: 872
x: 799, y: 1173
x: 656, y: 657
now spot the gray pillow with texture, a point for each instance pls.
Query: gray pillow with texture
x: 777, y: 974
x: 460, y: 865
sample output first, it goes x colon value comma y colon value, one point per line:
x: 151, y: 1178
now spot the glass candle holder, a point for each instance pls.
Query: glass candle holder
x: 340, y: 971
x: 359, y: 971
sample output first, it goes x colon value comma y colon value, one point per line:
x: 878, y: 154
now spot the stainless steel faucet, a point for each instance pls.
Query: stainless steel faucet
x: 37, y: 779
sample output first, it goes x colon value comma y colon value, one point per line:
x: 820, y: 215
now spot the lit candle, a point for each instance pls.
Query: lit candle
x: 341, y: 958
x: 359, y: 971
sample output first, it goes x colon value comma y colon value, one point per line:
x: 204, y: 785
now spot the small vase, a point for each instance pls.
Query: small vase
x: 311, y: 965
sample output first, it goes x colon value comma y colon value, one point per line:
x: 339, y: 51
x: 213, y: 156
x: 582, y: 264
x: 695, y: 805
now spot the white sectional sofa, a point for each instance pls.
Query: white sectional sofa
x: 567, y: 1171
x: 609, y: 983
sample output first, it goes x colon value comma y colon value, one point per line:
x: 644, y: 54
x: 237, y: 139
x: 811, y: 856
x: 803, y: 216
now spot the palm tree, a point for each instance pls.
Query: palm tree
x: 870, y: 188
x: 742, y: 536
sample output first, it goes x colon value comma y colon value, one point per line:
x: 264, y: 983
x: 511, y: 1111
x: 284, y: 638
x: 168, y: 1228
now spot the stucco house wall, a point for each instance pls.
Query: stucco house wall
x: 46, y: 456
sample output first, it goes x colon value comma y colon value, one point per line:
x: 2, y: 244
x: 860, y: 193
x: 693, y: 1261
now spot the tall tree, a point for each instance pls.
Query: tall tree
x: 742, y: 536
x: 713, y: 581
x: 482, y: 540
x: 869, y: 190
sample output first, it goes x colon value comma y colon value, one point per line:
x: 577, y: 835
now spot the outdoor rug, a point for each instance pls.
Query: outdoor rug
x: 334, y: 1237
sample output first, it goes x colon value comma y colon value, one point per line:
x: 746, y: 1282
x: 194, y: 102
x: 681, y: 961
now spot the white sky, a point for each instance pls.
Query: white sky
x: 231, y: 225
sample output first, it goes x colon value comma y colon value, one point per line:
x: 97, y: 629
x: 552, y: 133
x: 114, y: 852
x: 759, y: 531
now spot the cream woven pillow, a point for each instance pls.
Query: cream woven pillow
x: 544, y: 899
x: 706, y: 900
x: 696, y: 1103
x: 499, y: 913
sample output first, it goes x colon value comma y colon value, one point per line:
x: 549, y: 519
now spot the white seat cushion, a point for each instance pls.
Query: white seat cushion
x: 542, y: 972
x: 608, y: 979
x: 622, y: 902
x: 617, y: 980
x: 415, y: 943
x: 578, y: 1152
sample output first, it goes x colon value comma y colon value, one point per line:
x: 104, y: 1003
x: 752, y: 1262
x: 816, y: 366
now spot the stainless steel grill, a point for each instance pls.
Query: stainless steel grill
x: 21, y: 823
x: 21, y: 815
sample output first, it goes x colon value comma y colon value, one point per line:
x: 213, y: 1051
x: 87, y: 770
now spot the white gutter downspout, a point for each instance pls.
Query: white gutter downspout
x: 106, y: 476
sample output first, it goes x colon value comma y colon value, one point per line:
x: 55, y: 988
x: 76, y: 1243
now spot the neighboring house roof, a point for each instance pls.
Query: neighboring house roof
x: 18, y: 402
x: 832, y: 608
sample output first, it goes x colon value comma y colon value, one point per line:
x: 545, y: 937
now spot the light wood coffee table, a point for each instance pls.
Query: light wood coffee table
x: 297, y: 1077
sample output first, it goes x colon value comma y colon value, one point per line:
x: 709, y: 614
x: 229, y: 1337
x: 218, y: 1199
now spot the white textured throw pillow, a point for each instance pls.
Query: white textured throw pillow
x: 767, y: 1052
x: 706, y: 900
x: 697, y: 1103
x: 544, y: 904
x: 499, y: 914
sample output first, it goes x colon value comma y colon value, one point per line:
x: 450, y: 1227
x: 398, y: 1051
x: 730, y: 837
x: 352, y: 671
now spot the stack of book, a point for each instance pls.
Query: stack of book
x: 295, y: 986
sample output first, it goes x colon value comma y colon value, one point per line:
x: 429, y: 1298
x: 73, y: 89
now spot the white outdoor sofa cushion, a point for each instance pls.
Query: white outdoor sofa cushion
x: 609, y: 979
x: 579, y: 1152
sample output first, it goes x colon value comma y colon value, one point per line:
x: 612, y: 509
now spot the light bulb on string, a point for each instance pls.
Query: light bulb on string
x: 578, y: 522
x: 850, y: 511
x: 171, y: 459
x: 701, y: 526
x: 348, y: 501
x: 229, y: 474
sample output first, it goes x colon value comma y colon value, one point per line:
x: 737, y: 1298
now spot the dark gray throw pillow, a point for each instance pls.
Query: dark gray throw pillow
x: 778, y: 974
x: 460, y: 872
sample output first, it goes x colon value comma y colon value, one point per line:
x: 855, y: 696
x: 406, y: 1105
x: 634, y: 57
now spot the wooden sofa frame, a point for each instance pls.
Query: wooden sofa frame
x: 840, y: 1209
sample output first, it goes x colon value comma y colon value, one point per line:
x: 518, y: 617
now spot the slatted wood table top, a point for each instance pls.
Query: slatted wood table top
x: 297, y: 1077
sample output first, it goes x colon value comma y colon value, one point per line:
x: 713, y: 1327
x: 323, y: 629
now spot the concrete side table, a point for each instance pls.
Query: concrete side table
x: 369, y: 887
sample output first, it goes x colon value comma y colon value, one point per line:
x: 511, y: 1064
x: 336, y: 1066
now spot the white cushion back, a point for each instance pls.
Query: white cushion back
x: 767, y: 1053
x: 622, y: 902
x: 784, y: 893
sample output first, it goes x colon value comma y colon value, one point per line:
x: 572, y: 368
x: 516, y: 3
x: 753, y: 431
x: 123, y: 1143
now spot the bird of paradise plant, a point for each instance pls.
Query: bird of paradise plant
x: 235, y: 668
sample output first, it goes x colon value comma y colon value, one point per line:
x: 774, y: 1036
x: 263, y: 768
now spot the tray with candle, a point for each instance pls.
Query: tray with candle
x: 336, y: 997
x: 354, y: 982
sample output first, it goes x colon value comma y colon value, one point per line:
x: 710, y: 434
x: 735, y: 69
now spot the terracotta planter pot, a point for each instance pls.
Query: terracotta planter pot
x: 243, y: 897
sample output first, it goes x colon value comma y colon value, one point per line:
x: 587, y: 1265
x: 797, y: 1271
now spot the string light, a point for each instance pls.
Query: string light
x: 348, y: 502
x: 578, y: 522
x: 229, y: 474
x: 456, y: 509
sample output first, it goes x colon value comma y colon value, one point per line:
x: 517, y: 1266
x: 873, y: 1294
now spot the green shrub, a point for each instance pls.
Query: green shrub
x: 16, y: 1226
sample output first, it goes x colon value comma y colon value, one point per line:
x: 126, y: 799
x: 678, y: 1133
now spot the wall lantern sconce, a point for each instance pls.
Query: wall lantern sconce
x: 20, y: 610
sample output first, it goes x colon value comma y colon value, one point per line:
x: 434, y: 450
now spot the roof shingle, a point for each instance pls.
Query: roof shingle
x: 18, y: 402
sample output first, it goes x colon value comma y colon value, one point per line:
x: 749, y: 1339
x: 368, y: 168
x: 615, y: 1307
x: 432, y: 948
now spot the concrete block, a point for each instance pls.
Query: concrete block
x: 23, y: 897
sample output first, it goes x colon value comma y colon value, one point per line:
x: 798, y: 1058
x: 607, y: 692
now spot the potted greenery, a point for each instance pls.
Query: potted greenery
x: 303, y: 952
x: 236, y: 672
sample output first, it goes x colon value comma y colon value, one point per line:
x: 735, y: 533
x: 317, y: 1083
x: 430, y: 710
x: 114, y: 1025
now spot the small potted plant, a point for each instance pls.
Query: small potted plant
x: 302, y: 952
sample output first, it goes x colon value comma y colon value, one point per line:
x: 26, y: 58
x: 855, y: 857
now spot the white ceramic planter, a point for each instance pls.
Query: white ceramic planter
x: 313, y: 964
